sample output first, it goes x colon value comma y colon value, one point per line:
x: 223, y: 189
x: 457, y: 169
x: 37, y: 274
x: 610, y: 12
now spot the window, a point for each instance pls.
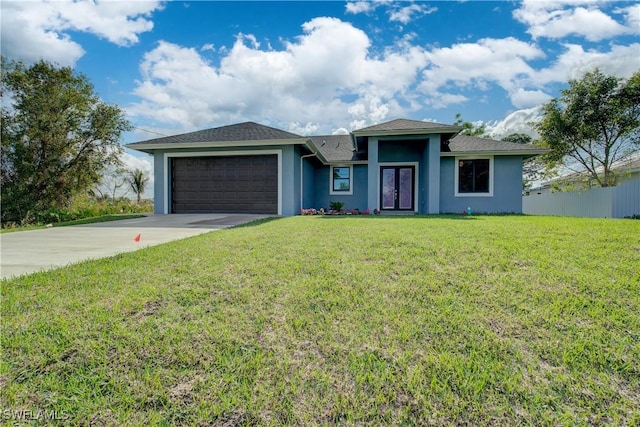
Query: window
x: 474, y: 176
x: 341, y: 180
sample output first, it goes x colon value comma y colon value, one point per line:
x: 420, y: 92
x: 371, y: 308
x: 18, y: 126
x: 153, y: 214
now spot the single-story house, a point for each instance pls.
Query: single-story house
x: 625, y: 170
x: 401, y: 166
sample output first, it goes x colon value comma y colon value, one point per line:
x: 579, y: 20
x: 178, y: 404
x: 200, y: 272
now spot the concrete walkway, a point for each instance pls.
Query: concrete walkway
x: 24, y: 252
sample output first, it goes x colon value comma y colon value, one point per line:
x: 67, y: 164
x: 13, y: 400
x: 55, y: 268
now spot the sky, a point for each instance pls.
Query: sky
x: 324, y: 67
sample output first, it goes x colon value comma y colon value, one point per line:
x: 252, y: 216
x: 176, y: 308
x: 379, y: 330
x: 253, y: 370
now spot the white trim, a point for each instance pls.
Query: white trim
x: 456, y: 179
x: 416, y: 181
x: 333, y: 192
x: 167, y: 184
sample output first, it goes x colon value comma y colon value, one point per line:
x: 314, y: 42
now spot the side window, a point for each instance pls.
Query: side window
x: 341, y: 180
x: 474, y: 177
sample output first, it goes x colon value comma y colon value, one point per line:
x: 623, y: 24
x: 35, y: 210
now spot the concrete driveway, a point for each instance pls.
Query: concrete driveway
x: 24, y: 252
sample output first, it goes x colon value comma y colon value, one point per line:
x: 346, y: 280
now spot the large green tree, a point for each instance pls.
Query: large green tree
x: 594, y: 123
x: 57, y: 137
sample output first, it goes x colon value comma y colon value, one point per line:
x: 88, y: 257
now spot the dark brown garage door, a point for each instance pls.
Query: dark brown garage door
x: 230, y: 184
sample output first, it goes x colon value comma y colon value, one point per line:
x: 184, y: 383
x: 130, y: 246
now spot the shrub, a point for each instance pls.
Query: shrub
x: 336, y: 206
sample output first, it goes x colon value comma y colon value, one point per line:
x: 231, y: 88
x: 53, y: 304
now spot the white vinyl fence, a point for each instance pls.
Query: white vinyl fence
x: 612, y: 202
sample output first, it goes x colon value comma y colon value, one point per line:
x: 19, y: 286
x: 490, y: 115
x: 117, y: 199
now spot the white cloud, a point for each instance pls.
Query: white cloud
x: 307, y: 129
x: 499, y: 61
x: 558, y: 19
x: 632, y: 16
x: 439, y: 100
x: 367, y: 6
x: 305, y: 80
x: 516, y: 122
x: 329, y: 76
x: 523, y: 98
x: 620, y: 61
x: 406, y: 14
x: 397, y: 11
x: 208, y: 46
x: 38, y: 30
x: 340, y: 131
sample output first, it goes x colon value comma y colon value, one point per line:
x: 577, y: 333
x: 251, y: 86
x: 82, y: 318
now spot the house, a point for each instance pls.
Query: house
x: 624, y: 170
x: 401, y: 166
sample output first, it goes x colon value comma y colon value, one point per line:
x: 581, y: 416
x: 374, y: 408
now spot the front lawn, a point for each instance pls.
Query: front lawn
x: 501, y: 320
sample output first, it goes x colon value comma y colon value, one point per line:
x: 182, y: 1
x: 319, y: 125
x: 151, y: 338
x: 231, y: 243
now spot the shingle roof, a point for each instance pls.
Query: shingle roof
x: 473, y: 144
x: 407, y: 125
x: 335, y: 148
x: 247, y: 131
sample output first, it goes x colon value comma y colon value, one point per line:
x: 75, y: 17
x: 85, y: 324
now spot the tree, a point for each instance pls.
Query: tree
x: 138, y: 181
x: 531, y: 167
x: 518, y: 138
x: 470, y: 129
x: 112, y: 180
x: 57, y: 137
x: 594, y: 123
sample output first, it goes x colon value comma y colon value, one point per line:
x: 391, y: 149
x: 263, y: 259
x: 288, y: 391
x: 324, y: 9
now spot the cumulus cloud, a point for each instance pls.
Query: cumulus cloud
x: 519, y: 121
x: 31, y: 32
x: 307, y: 129
x: 558, y: 19
x: 329, y: 76
x: 488, y: 61
x: 307, y: 79
x: 340, y: 131
x: 632, y: 17
x: 575, y: 61
x: 523, y: 98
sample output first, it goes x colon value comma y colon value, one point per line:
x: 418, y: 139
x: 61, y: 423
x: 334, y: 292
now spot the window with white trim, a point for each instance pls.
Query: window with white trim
x: 474, y: 176
x: 341, y: 180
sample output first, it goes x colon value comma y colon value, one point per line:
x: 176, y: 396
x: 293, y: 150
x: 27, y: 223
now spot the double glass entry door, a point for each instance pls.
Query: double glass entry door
x: 397, y: 188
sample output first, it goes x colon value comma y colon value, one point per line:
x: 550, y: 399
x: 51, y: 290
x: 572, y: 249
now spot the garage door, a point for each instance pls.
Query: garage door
x: 230, y: 184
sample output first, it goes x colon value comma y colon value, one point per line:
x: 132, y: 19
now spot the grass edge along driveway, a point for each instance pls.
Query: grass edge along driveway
x: 353, y: 320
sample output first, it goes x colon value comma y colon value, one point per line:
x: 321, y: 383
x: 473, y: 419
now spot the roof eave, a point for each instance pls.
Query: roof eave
x: 401, y: 132
x: 527, y: 153
x: 141, y: 146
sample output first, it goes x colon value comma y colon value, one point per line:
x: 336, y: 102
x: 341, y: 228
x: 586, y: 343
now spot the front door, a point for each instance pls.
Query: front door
x: 397, y: 188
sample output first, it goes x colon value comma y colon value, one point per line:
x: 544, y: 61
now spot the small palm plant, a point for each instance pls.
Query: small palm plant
x: 336, y: 206
x: 138, y: 181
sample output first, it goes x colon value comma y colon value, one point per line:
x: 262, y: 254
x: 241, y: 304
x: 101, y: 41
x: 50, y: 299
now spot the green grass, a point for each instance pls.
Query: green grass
x: 91, y: 220
x: 505, y: 320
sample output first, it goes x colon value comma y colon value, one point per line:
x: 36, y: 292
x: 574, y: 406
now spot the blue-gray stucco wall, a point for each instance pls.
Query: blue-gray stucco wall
x: 507, y: 185
x: 507, y: 188
x: 309, y: 177
x: 321, y: 189
x: 400, y: 151
x: 158, y: 183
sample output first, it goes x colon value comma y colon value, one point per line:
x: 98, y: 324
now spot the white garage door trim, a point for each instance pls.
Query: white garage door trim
x: 166, y: 183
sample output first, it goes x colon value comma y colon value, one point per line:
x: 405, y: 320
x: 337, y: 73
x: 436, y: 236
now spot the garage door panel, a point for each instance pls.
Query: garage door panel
x: 243, y: 184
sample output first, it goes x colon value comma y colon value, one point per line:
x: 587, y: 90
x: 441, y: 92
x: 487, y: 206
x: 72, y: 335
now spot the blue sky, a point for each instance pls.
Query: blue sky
x: 328, y: 66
